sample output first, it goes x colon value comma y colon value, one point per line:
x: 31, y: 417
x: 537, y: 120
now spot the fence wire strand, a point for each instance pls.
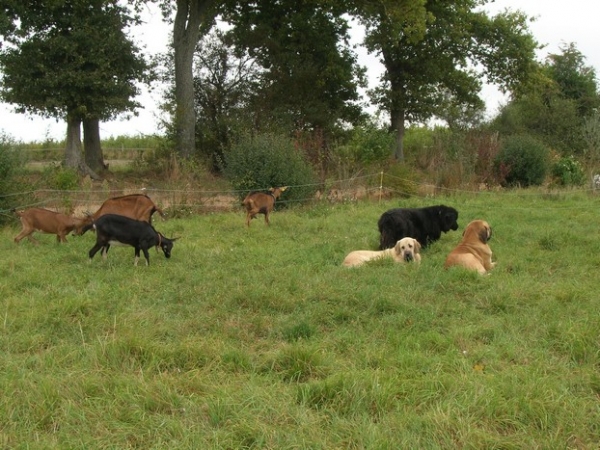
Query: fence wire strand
x: 374, y: 186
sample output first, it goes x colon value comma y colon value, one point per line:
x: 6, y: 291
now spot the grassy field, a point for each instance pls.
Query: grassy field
x: 258, y: 338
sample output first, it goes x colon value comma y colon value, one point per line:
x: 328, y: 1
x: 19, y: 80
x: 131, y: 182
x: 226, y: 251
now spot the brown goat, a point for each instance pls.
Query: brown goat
x: 46, y: 221
x: 134, y: 206
x: 261, y: 203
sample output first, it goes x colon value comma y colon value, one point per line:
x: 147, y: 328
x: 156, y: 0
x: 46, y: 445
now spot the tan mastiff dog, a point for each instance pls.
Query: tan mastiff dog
x: 473, y: 252
x: 406, y: 250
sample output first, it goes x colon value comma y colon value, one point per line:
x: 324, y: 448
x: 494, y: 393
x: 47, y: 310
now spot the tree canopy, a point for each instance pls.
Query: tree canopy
x: 70, y: 60
x: 439, y: 51
x: 436, y: 54
x: 310, y: 76
x: 556, y: 105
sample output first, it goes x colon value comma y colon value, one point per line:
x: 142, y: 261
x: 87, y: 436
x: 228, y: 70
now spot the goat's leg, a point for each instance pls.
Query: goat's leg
x: 146, y: 255
x: 105, y: 251
x: 25, y: 232
x: 94, y: 250
x: 137, y: 256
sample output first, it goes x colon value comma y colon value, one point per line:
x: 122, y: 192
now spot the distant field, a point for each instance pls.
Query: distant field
x: 112, y: 163
x: 258, y: 338
x: 116, y: 158
x: 57, y: 153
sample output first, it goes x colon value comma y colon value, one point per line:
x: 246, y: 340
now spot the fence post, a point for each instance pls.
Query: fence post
x: 380, y: 185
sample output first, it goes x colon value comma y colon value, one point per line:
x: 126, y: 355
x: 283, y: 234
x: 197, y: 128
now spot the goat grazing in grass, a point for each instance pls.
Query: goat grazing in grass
x: 115, y: 229
x: 46, y: 221
x: 261, y: 203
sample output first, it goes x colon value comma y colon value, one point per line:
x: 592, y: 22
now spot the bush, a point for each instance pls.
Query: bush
x: 522, y: 160
x: 62, y: 178
x: 267, y: 160
x: 568, y: 172
x: 9, y: 166
x: 419, y: 147
x: 368, y: 145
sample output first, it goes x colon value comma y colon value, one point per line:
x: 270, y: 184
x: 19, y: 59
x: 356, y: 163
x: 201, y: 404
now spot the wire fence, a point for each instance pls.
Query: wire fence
x: 372, y: 187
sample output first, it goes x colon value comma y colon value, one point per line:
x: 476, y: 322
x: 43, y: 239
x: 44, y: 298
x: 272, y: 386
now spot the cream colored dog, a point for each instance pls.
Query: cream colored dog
x: 473, y: 252
x: 406, y: 249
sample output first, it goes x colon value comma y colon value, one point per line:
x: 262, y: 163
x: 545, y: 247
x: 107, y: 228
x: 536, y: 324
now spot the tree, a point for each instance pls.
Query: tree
x: 225, y: 82
x: 439, y: 50
x: 192, y: 19
x: 71, y: 60
x: 574, y: 79
x: 556, y: 105
x: 310, y: 76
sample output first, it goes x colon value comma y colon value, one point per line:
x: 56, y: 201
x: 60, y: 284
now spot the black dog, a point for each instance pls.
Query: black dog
x: 424, y: 224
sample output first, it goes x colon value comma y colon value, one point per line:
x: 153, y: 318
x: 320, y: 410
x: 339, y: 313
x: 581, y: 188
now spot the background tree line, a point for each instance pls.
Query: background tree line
x: 242, y: 69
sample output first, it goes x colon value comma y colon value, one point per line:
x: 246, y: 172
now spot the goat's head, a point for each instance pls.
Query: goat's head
x: 83, y: 224
x: 276, y: 192
x: 166, y: 244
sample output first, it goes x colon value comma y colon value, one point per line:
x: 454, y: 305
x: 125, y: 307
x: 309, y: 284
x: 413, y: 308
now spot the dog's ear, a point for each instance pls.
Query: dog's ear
x: 484, y: 234
x: 398, y: 248
x: 417, y: 246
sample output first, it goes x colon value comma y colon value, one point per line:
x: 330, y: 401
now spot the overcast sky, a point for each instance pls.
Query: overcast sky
x: 556, y: 23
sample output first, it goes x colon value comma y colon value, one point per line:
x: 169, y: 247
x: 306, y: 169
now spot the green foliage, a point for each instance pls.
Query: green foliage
x: 225, y: 82
x: 267, y: 160
x: 555, y: 105
x: 591, y: 135
x: 420, y: 81
x: 62, y: 178
x: 310, y: 76
x: 9, y: 165
x: 368, y: 147
x: 8, y: 159
x: 567, y: 171
x: 522, y: 161
x: 575, y: 80
x: 85, y: 64
x: 139, y: 141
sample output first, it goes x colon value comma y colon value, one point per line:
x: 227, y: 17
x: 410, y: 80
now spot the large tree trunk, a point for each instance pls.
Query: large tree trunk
x: 191, y: 14
x: 397, y: 125
x: 73, y: 153
x: 396, y: 96
x: 73, y: 143
x: 94, y: 158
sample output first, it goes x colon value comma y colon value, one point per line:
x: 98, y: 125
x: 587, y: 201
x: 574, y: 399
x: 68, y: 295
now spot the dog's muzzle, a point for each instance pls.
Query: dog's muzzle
x: 408, y: 257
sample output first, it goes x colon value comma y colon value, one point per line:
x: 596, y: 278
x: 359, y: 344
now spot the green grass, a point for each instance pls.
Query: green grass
x: 259, y: 338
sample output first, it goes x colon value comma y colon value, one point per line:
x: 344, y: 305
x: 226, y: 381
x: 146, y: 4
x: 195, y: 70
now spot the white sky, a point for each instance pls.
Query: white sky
x: 556, y: 23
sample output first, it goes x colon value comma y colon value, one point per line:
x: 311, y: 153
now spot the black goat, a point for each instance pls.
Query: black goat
x: 115, y: 229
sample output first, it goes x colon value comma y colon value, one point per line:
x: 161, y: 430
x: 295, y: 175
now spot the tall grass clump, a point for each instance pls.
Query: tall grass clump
x: 269, y: 160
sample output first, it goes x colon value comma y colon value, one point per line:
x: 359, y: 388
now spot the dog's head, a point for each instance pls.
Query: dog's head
x: 448, y: 218
x: 407, y: 248
x: 479, y: 228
